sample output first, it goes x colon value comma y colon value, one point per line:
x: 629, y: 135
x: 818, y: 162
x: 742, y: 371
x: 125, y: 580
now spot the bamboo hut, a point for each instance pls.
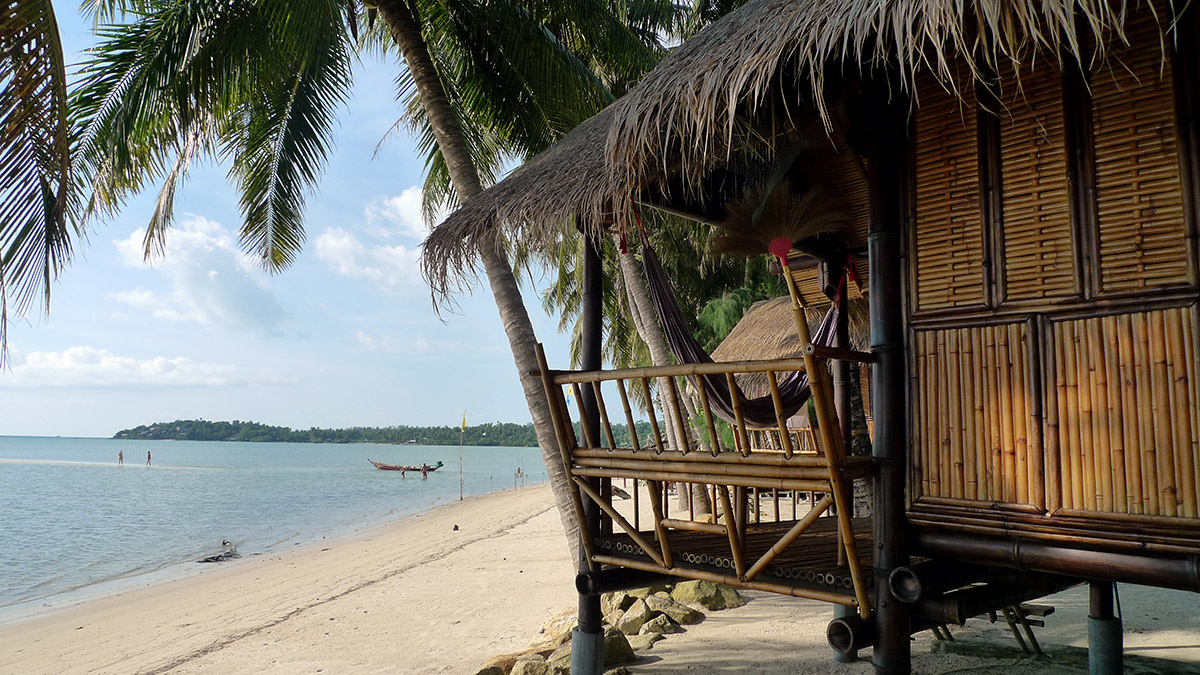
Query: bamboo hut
x: 1021, y: 185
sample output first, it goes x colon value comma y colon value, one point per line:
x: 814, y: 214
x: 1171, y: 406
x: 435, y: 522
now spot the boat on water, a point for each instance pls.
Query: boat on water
x: 402, y: 467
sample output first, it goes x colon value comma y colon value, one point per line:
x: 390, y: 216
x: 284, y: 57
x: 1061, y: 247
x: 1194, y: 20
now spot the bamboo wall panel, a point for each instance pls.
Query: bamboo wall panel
x: 1038, y: 249
x: 975, y: 424
x: 949, y: 240
x: 1127, y: 398
x: 1139, y: 198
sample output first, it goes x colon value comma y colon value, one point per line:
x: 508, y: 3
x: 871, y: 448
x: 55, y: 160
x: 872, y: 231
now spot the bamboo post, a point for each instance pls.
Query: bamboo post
x: 1143, y: 387
x: 1131, y: 434
x: 1069, y: 352
x: 925, y: 437
x: 1182, y: 411
x: 676, y: 413
x: 654, y: 489
x: 785, y: 438
x: 995, y: 442
x: 954, y: 429
x: 1009, y: 467
x: 735, y: 540
x: 940, y: 481
x: 1109, y: 344
x: 972, y: 410
x: 740, y: 426
x: 584, y: 424
x: 1021, y: 412
x: 708, y: 422
x: 608, y: 432
x: 658, y: 441
x: 1161, y: 413
x: 561, y: 425
x: 1083, y: 392
x: 634, y: 442
x: 1098, y: 371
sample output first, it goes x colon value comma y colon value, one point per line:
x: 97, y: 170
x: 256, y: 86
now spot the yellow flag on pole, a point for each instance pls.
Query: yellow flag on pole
x: 464, y: 424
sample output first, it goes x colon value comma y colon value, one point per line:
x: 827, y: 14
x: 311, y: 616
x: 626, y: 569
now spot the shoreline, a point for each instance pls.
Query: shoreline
x: 377, y: 582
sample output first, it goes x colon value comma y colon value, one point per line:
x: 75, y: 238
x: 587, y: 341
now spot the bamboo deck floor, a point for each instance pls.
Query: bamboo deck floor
x: 811, y: 562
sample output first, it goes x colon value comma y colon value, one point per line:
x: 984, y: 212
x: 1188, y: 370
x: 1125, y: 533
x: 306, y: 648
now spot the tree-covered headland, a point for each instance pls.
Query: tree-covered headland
x: 489, y: 434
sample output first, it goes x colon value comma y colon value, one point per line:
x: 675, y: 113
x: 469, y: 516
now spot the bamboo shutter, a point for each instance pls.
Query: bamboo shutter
x: 1036, y: 206
x: 1138, y: 193
x: 949, y: 239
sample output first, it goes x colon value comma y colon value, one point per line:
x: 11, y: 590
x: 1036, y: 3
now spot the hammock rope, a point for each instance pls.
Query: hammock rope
x: 757, y: 413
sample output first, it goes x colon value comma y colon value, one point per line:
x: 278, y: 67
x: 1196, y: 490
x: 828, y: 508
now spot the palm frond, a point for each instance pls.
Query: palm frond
x: 35, y: 194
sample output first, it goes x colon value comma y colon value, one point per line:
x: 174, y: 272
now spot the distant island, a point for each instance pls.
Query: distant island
x: 505, y: 434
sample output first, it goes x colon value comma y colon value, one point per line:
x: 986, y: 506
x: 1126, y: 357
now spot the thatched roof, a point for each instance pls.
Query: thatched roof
x: 767, y: 331
x: 719, y: 93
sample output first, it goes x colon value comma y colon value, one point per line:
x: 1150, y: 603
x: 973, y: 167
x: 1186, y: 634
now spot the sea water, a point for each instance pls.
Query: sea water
x: 75, y: 524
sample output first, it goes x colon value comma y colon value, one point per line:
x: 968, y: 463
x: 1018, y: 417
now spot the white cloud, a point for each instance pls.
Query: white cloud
x: 91, y: 367
x: 399, y: 214
x: 391, y: 268
x: 209, y: 279
x: 387, y: 343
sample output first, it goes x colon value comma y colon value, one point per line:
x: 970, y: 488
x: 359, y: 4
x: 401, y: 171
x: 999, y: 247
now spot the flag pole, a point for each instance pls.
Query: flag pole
x: 462, y: 431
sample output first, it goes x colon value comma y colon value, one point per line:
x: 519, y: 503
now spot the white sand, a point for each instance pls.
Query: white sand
x: 416, y: 596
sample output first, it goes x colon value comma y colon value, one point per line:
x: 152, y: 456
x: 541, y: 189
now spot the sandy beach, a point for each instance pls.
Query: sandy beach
x: 417, y: 596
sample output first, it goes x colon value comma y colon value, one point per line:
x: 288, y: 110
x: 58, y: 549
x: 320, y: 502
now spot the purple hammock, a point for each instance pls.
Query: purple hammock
x: 757, y: 413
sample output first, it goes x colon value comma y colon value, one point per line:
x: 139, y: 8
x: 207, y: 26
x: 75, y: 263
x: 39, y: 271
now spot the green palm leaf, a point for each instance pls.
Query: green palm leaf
x: 35, y: 168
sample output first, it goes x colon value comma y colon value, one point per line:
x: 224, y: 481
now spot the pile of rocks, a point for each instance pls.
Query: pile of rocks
x: 633, y: 621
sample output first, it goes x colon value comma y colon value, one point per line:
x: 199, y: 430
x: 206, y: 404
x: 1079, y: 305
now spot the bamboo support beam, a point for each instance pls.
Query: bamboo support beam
x: 651, y: 372
x: 620, y: 520
x: 838, y: 353
x: 791, y: 536
x: 704, y: 575
x: 760, y: 458
x: 695, y: 526
x: 721, y: 469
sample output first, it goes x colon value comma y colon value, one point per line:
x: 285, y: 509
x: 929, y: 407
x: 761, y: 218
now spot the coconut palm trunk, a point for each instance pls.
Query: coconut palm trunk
x: 403, y: 22
x: 651, y: 332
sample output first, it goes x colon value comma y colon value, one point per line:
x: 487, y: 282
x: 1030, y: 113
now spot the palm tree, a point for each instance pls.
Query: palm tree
x: 258, y: 83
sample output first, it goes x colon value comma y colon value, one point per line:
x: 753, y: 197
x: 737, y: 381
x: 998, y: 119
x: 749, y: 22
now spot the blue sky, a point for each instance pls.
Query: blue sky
x: 346, y: 337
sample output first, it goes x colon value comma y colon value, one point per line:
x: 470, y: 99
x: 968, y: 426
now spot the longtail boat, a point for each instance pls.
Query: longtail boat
x: 401, y: 467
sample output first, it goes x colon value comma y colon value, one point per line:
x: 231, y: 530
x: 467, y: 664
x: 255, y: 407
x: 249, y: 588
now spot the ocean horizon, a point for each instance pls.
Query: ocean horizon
x: 80, y: 526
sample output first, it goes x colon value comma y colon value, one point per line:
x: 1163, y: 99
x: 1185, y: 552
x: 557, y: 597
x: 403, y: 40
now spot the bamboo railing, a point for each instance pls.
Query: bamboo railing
x: 769, y: 488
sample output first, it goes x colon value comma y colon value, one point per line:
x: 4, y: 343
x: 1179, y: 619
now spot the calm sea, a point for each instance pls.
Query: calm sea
x: 77, y: 525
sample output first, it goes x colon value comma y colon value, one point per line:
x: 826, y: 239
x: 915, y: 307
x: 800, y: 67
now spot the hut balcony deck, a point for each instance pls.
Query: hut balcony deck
x: 811, y: 571
x: 736, y: 481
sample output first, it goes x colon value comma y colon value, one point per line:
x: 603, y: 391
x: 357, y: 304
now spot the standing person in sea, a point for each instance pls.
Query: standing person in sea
x: 120, y: 458
x: 147, y: 458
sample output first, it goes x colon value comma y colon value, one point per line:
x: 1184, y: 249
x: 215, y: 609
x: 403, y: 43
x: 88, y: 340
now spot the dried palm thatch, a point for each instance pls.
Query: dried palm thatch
x: 768, y: 332
x: 749, y: 81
